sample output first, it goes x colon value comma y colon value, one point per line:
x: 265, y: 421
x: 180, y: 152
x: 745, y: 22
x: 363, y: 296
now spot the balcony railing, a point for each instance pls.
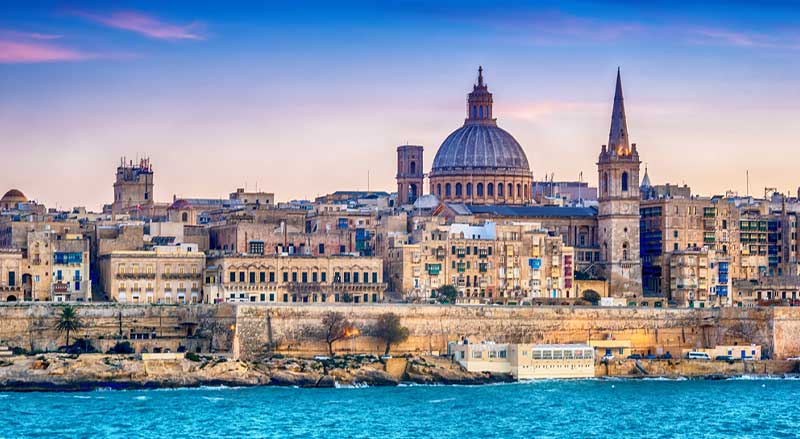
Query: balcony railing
x: 181, y: 276
x: 136, y: 275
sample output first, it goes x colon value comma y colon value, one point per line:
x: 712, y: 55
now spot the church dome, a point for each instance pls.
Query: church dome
x: 481, y: 163
x: 14, y: 196
x: 480, y: 146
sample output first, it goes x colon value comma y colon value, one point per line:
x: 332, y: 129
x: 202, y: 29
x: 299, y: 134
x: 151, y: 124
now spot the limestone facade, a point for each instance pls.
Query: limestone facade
x: 490, y: 263
x: 165, y: 274
x: 294, y: 279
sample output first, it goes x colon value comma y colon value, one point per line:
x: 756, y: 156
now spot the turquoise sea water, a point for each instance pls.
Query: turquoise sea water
x: 576, y: 409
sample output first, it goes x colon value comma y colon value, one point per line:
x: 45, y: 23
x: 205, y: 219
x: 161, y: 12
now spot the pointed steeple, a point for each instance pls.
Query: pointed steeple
x: 618, y: 136
x: 645, y: 180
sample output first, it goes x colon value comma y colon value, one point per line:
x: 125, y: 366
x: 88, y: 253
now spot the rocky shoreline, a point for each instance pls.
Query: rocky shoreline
x: 67, y: 373
x: 62, y: 372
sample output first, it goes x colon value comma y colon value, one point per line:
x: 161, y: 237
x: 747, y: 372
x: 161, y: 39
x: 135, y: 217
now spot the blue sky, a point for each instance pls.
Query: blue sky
x: 307, y: 98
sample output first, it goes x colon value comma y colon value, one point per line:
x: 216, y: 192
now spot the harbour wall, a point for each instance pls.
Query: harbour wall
x: 250, y: 331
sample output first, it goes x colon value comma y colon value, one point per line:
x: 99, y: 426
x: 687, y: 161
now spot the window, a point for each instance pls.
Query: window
x: 285, y: 276
x: 252, y: 277
x: 241, y: 276
x: 413, y: 167
x: 374, y: 277
x: 469, y: 189
x: 490, y: 189
x: 510, y: 192
x: 272, y: 276
x: 519, y: 190
x: 233, y: 276
x: 185, y: 217
x: 439, y: 189
x: 624, y: 181
x: 605, y: 183
x: 479, y: 189
x: 256, y: 247
x: 447, y: 189
x: 500, y: 190
x: 262, y: 277
x: 458, y: 189
x: 322, y: 249
x: 294, y: 276
x: 324, y: 276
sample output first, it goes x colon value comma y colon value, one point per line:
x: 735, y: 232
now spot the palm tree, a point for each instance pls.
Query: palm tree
x: 68, y: 321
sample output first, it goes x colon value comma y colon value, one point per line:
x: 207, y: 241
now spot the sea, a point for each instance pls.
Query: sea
x: 734, y: 408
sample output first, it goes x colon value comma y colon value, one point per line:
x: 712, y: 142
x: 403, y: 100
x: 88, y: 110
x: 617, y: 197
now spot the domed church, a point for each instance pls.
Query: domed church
x: 480, y: 163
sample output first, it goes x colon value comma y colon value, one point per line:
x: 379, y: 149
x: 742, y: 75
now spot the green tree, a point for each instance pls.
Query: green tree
x: 389, y: 329
x: 448, y: 294
x: 336, y: 327
x: 68, y: 321
x: 591, y: 296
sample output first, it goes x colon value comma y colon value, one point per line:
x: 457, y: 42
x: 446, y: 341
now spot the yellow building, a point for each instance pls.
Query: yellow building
x: 165, y: 274
x: 290, y: 279
x: 487, y: 263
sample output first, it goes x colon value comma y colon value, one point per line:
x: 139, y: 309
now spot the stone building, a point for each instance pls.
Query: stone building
x: 409, y: 174
x: 577, y: 226
x: 294, y: 279
x: 487, y: 263
x: 480, y: 163
x: 133, y: 187
x: 618, y: 209
x: 165, y: 274
x: 10, y: 275
x: 71, y: 279
x: 699, y: 278
x: 12, y: 199
x: 258, y: 199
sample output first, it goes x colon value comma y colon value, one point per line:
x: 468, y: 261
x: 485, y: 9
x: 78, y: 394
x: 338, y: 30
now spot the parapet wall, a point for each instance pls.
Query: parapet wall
x: 296, y: 329
x: 252, y: 330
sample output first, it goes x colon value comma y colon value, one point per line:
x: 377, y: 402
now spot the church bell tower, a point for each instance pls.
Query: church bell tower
x: 618, y: 214
x: 409, y: 174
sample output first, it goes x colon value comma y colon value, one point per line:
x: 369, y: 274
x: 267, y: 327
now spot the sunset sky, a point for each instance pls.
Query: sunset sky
x: 307, y: 98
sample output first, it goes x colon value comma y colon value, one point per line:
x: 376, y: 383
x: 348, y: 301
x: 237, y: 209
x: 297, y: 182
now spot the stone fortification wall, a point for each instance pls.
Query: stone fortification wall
x: 253, y: 330
x: 296, y: 329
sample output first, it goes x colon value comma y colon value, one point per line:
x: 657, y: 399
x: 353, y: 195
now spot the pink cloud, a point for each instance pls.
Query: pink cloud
x: 28, y: 35
x: 22, y: 52
x: 146, y: 25
x: 725, y: 37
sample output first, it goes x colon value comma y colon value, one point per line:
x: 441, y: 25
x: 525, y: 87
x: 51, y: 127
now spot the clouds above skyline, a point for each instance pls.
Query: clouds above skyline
x: 310, y: 97
x: 145, y: 25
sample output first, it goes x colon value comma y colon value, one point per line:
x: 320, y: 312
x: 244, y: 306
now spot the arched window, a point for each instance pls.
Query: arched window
x: 479, y: 189
x: 458, y: 189
x: 474, y: 112
x: 519, y: 190
x: 624, y: 181
x: 413, y: 168
x: 490, y: 189
x: 480, y: 111
x: 469, y: 189
x: 500, y: 190
x: 510, y: 190
x: 439, y: 190
x: 447, y: 189
x: 185, y: 217
x: 625, y: 251
x: 605, y: 183
x: 526, y: 191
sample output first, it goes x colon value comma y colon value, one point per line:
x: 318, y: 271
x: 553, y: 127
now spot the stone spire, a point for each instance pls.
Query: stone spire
x: 479, y: 103
x: 645, y: 180
x: 618, y: 136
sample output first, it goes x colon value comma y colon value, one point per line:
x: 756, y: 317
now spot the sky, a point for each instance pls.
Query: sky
x: 305, y: 98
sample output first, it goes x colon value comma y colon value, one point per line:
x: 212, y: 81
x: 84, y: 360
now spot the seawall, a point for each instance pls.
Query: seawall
x: 250, y: 331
